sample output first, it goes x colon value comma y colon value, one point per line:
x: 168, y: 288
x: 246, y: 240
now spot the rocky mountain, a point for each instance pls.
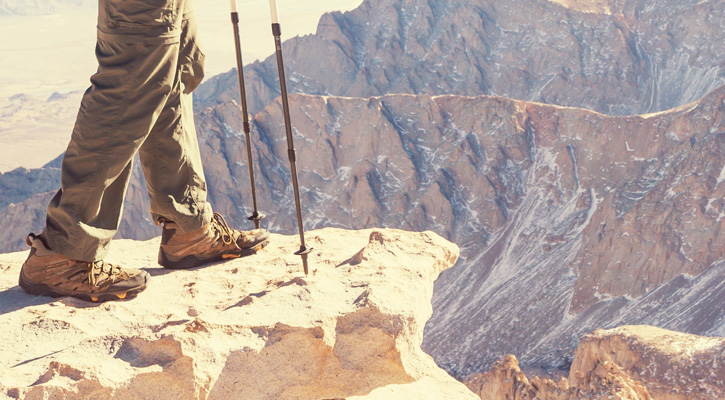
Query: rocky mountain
x: 568, y: 220
x: 614, y: 226
x: 616, y: 57
x: 630, y: 362
x: 253, y: 328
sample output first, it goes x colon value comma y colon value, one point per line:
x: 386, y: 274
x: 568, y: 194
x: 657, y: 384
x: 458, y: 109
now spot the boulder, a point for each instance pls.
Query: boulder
x: 635, y: 362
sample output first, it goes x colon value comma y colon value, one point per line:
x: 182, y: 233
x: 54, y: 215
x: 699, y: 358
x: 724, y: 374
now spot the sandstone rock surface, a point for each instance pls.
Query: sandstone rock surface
x: 627, y: 363
x: 254, y: 328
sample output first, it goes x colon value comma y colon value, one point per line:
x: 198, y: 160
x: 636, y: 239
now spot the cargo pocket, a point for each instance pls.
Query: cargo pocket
x: 139, y: 17
x: 191, y: 57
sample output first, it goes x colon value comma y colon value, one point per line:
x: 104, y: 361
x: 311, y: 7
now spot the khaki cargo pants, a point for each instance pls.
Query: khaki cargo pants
x: 139, y: 101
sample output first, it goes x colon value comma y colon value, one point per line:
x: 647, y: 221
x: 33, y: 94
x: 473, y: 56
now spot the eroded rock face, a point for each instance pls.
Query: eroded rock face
x: 254, y: 327
x: 552, y: 206
x: 630, y: 362
x: 614, y: 57
x: 505, y: 380
x: 671, y: 365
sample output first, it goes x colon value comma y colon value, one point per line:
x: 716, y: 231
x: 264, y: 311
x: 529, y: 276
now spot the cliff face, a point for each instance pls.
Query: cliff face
x: 618, y: 57
x: 253, y: 328
x: 551, y: 206
x: 630, y: 362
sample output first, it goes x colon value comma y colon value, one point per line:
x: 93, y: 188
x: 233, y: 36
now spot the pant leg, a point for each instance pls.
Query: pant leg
x: 137, y: 51
x: 170, y: 156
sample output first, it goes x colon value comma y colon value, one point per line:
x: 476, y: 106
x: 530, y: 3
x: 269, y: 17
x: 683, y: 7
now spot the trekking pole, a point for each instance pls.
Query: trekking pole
x: 256, y: 215
x: 277, y: 32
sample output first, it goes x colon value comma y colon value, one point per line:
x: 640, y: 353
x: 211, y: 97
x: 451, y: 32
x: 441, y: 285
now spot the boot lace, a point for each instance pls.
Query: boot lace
x: 100, y: 271
x: 227, y: 234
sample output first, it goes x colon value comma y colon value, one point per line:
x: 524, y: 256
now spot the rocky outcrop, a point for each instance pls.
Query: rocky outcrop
x: 630, y: 362
x: 253, y: 328
x: 614, y: 57
x: 671, y: 365
x: 505, y: 380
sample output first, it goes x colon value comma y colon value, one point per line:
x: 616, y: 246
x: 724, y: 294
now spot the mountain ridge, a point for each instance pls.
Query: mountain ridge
x: 599, y: 62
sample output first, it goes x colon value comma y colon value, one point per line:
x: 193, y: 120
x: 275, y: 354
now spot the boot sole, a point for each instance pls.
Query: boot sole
x: 41, y: 289
x: 194, y: 261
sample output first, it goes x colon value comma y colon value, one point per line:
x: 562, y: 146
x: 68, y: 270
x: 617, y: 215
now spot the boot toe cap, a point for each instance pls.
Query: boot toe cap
x: 254, y: 237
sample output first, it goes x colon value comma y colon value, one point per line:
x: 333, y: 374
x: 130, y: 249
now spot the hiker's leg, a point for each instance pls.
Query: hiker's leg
x: 170, y: 156
x: 137, y: 52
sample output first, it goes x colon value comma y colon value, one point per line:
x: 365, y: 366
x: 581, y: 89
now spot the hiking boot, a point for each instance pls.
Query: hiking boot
x: 47, y: 273
x: 213, y: 242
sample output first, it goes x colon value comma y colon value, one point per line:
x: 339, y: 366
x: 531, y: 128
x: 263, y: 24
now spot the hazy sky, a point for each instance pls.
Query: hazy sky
x: 297, y: 18
x: 40, y: 55
x: 44, y: 54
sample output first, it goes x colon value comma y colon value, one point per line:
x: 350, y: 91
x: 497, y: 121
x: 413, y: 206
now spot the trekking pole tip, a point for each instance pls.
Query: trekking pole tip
x: 304, y: 252
x: 256, y: 217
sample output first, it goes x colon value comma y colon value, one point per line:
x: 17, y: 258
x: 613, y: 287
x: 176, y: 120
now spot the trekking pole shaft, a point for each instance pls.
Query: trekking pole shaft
x: 277, y: 32
x: 288, y: 130
x: 245, y: 114
x: 273, y: 10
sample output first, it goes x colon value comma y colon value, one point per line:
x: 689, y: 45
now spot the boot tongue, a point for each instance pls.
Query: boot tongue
x: 40, y: 248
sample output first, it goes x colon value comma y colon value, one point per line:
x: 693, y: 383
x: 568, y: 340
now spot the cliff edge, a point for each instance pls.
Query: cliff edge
x: 253, y: 328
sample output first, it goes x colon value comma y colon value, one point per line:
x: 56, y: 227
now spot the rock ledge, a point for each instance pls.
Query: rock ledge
x: 253, y: 328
